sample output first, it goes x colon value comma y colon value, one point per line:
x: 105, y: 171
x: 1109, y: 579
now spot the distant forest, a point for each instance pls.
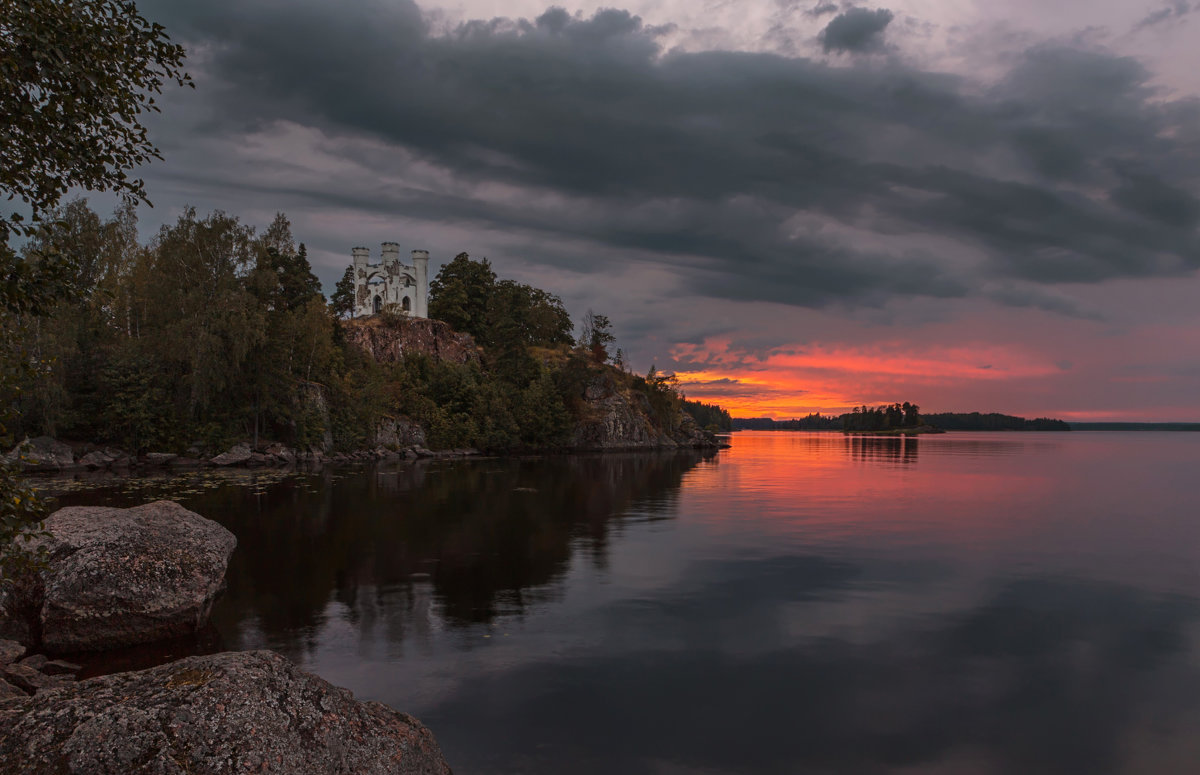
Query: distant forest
x: 708, y: 416
x: 863, y: 418
x: 993, y: 421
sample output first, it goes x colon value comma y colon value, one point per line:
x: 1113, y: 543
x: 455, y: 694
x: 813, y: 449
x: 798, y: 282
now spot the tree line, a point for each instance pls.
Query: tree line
x: 213, y: 333
x: 709, y: 416
x: 993, y: 421
x: 899, y: 416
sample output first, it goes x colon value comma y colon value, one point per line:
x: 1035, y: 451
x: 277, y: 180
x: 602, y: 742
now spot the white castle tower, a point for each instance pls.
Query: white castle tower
x: 391, y: 285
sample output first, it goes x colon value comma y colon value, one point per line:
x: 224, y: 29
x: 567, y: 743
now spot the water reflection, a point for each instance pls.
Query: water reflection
x: 799, y: 603
x: 889, y: 450
x: 475, y: 540
x: 1044, y: 676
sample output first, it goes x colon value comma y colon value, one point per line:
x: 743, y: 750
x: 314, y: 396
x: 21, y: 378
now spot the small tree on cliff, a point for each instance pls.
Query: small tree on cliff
x: 596, y: 336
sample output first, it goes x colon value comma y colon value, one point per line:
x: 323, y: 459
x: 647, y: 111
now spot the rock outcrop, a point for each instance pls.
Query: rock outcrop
x: 399, y: 432
x: 389, y: 339
x: 42, y: 454
x: 616, y: 418
x: 118, y: 577
x: 236, y: 455
x: 225, y: 713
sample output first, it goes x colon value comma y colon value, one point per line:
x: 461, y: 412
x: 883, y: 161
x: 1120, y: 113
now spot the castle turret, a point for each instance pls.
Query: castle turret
x: 362, y: 257
x: 420, y: 262
x: 391, y: 252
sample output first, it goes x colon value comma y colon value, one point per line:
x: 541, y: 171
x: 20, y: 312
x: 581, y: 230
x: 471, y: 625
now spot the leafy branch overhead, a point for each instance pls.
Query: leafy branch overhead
x: 76, y: 78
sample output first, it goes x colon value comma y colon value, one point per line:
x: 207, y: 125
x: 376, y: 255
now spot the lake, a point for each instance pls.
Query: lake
x: 801, y: 602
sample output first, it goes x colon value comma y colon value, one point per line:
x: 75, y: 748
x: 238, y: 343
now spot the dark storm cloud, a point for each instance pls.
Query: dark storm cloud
x: 767, y: 177
x: 1170, y: 13
x: 858, y: 29
x: 821, y: 9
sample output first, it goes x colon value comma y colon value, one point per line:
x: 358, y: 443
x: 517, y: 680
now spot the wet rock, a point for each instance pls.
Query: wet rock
x: 220, y: 714
x: 160, y: 458
x: 41, y: 454
x: 9, y: 692
x: 281, y: 453
x: 257, y: 460
x: 27, y: 679
x: 37, y: 661
x: 237, y: 455
x: 97, y: 459
x: 118, y: 577
x: 10, y: 651
x: 61, y: 668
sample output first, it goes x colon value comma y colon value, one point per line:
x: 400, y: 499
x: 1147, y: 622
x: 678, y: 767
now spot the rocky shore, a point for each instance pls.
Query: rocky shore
x: 224, y: 713
x: 45, y: 455
x: 115, y: 577
x: 614, y: 421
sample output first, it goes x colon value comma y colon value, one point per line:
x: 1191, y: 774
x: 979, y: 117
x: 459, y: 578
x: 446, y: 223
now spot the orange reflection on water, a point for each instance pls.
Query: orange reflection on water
x: 822, y: 485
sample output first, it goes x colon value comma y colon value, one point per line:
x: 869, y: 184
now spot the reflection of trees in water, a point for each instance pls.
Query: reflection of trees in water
x: 1046, y: 676
x: 492, y: 535
x: 896, y: 450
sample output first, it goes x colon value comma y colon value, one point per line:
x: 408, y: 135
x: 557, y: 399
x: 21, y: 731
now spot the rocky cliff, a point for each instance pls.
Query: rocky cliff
x: 615, y: 416
x: 611, y: 413
x: 388, y: 339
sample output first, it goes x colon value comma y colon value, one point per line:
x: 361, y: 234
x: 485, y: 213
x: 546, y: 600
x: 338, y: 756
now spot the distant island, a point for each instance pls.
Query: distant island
x: 896, y: 419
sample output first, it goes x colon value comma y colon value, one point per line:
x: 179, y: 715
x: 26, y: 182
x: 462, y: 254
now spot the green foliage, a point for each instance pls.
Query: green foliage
x: 138, y: 412
x: 460, y: 295
x: 662, y: 396
x: 341, y: 303
x: 75, y: 79
x: 497, y: 313
x: 213, y: 334
x: 597, y: 336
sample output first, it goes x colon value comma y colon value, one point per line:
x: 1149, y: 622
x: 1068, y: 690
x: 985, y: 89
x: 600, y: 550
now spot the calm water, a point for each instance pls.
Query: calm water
x: 802, y: 602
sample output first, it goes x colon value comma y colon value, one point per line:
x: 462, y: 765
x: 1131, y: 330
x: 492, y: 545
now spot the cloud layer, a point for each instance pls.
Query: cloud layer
x: 776, y: 178
x: 582, y: 145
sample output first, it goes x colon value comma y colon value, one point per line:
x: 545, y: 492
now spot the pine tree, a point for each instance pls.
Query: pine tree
x: 342, y: 300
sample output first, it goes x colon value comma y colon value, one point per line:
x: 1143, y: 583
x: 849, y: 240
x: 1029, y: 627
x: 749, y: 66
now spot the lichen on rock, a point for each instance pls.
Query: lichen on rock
x: 224, y: 713
x: 118, y: 577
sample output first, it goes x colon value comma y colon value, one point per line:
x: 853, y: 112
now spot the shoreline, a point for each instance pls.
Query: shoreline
x: 51, y: 457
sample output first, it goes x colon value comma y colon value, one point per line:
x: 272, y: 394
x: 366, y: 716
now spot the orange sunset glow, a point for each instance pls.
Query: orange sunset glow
x: 792, y: 382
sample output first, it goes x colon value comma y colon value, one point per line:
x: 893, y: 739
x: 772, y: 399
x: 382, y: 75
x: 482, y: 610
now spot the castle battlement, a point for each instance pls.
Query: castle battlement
x: 390, y: 284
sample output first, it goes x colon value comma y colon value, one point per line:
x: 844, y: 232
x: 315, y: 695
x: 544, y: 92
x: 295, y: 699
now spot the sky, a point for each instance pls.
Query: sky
x: 796, y: 206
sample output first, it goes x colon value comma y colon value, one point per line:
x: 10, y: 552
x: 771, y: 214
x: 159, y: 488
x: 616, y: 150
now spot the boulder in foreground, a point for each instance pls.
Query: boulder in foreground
x: 224, y: 713
x: 118, y: 577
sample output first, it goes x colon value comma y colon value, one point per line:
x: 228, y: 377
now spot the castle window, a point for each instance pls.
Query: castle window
x: 378, y: 305
x: 406, y: 305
